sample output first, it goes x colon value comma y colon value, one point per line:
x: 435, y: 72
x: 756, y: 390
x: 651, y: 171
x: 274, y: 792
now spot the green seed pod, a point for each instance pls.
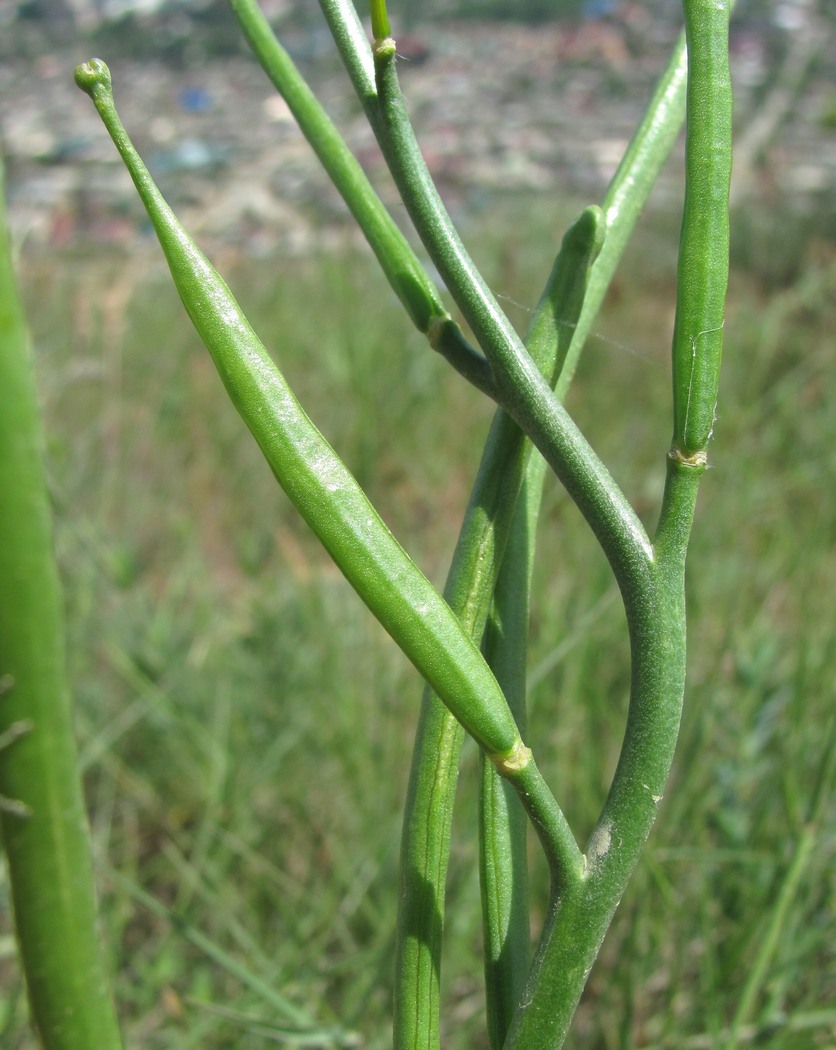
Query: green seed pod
x: 317, y: 482
x: 704, y: 242
x: 42, y: 818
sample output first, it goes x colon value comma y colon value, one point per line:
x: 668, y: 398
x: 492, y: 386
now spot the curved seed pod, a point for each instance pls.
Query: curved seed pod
x: 317, y: 482
x: 42, y: 818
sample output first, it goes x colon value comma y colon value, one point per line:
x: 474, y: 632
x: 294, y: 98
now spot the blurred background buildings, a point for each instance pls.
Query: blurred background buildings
x: 542, y: 100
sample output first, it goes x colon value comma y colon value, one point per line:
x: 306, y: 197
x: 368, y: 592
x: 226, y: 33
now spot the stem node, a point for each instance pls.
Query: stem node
x: 514, y: 761
x: 384, y: 48
x: 697, y: 460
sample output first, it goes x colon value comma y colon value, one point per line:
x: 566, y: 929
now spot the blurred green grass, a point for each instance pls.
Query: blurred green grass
x: 245, y: 727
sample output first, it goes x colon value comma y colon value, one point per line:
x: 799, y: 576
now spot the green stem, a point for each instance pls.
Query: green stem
x: 380, y: 20
x: 503, y: 879
x: 353, y: 46
x: 630, y: 187
x: 491, y: 327
x: 578, y: 921
x: 506, y: 925
x: 523, y: 392
x: 469, y: 589
x: 44, y: 827
x: 503, y: 868
x: 623, y: 203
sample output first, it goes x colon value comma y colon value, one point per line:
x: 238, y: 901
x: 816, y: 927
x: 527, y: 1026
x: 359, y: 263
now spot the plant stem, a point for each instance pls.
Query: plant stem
x: 44, y: 826
x: 353, y: 46
x: 624, y: 201
x: 522, y: 390
x: 630, y: 187
x: 578, y: 921
x: 380, y: 19
x: 503, y: 868
x: 506, y: 925
x: 469, y: 590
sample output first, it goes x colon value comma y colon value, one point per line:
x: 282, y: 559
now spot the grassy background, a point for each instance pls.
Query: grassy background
x: 245, y: 727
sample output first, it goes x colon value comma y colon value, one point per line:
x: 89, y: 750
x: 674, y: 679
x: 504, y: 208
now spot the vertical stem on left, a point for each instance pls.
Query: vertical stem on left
x: 44, y: 827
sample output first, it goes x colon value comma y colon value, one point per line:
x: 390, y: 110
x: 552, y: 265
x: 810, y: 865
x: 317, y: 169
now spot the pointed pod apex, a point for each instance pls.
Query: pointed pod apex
x: 93, y: 74
x: 594, y: 222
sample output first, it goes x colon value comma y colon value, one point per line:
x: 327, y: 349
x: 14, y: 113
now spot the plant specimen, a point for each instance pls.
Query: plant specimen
x: 469, y: 645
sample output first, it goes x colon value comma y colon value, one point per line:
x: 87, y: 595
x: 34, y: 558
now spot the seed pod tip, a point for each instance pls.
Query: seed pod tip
x: 93, y: 74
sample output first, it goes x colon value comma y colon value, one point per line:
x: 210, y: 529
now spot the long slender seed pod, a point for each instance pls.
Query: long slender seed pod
x: 470, y: 585
x: 400, y: 265
x: 626, y: 195
x: 629, y: 190
x: 42, y: 817
x: 315, y: 479
x: 503, y: 880
x: 654, y: 712
x: 483, y: 313
x: 704, y: 240
x: 408, y: 278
